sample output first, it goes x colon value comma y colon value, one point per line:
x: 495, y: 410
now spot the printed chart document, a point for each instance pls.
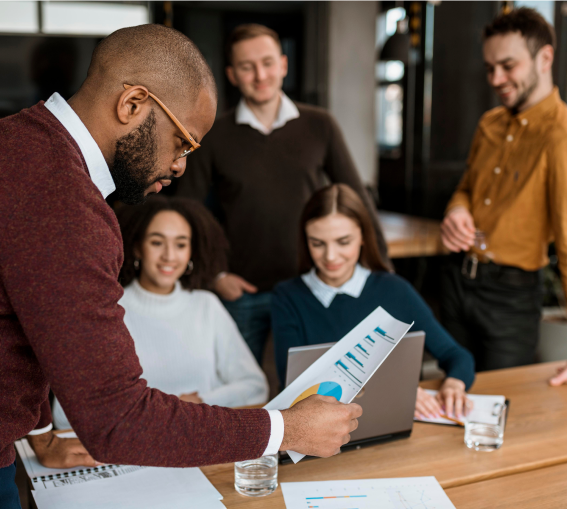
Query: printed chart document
x: 149, y: 488
x: 486, y: 410
x: 344, y: 370
x: 142, y: 488
x: 44, y: 478
x: 401, y: 493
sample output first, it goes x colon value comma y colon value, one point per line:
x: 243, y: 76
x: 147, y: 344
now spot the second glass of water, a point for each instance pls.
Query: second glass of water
x: 486, y: 436
x: 256, y: 478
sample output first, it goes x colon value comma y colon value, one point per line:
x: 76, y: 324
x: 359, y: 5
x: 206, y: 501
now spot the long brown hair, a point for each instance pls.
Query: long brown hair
x: 209, y: 247
x: 340, y: 199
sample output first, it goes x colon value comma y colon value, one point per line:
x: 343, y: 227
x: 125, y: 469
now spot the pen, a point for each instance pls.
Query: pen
x: 460, y: 423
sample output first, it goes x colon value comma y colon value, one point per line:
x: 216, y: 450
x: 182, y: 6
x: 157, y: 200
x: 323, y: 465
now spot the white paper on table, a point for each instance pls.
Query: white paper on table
x: 150, y: 488
x: 400, y: 493
x: 44, y: 478
x: 486, y: 409
x: 345, y: 368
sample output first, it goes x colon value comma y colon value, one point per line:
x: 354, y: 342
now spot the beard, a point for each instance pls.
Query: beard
x: 527, y: 89
x: 134, y: 166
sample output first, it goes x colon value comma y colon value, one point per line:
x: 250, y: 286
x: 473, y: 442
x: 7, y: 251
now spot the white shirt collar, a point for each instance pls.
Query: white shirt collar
x: 96, y: 164
x: 287, y: 111
x: 325, y: 294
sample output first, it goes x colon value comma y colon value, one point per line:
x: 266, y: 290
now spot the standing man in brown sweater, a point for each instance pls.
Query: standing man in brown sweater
x: 148, y: 101
x: 262, y: 163
x: 511, y: 201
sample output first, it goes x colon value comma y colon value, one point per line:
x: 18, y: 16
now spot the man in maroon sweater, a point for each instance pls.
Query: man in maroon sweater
x: 60, y: 254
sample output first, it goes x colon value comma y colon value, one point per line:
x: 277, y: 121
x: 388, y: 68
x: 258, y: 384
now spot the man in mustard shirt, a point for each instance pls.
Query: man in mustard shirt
x: 511, y: 202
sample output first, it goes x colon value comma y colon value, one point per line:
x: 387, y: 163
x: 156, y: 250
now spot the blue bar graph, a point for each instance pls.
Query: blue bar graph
x: 362, y: 349
x: 351, y: 356
x: 369, y: 338
x: 382, y: 333
x: 347, y: 371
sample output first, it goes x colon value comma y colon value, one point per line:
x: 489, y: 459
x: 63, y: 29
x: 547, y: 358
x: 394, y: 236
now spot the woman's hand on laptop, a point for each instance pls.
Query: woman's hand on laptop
x: 319, y: 426
x: 452, y: 397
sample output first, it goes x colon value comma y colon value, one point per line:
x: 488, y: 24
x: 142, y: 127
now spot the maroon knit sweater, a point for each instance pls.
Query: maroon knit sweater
x: 61, y: 326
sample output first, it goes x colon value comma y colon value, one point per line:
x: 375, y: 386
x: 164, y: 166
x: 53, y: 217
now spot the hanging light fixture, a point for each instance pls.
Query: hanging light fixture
x: 398, y: 45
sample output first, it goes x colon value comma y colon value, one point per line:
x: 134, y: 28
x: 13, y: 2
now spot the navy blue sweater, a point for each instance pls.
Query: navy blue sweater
x: 299, y: 319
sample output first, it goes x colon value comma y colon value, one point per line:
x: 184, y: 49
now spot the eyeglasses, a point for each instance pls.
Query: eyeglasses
x: 194, y: 144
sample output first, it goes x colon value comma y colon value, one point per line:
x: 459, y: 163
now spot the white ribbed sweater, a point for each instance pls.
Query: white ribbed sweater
x: 187, y: 342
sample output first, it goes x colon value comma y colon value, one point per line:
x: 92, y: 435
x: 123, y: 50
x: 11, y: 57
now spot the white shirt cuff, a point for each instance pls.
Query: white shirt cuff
x: 47, y: 428
x: 276, y: 433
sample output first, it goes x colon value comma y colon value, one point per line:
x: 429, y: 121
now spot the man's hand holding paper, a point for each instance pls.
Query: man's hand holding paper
x: 340, y: 374
x: 319, y: 425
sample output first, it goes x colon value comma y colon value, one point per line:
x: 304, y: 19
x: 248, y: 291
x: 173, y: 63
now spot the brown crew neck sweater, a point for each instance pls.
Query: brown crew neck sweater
x: 258, y: 186
x: 61, y: 326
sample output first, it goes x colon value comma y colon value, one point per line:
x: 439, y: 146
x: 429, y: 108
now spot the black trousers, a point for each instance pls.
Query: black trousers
x: 496, y: 315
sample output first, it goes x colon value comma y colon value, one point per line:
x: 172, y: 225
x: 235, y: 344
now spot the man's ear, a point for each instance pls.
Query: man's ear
x: 546, y: 55
x: 284, y: 62
x: 132, y: 104
x: 231, y: 75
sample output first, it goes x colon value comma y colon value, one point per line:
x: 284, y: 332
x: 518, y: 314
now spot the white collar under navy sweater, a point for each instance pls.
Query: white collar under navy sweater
x: 96, y: 164
x: 287, y: 111
x: 325, y: 294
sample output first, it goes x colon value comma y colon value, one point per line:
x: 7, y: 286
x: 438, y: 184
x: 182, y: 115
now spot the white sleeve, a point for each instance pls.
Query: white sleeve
x: 41, y: 431
x: 276, y: 433
x: 243, y: 382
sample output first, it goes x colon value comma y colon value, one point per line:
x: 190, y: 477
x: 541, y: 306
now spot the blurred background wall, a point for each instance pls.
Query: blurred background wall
x: 405, y: 80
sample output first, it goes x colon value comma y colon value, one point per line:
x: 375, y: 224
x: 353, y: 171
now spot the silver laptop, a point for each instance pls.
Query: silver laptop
x: 389, y: 396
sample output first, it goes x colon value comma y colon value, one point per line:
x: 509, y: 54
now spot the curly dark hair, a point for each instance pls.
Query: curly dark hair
x: 209, y: 246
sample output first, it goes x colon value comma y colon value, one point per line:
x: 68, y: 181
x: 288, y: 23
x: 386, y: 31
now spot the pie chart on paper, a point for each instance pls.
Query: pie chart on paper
x: 324, y: 389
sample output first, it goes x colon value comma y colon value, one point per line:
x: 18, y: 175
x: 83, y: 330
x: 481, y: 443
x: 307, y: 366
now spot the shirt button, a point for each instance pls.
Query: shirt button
x: 509, y: 137
x: 524, y: 121
x: 488, y: 201
x: 497, y: 170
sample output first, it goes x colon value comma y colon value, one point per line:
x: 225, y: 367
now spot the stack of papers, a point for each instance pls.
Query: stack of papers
x: 117, y: 486
x: 486, y: 410
x: 343, y: 370
x: 401, y: 493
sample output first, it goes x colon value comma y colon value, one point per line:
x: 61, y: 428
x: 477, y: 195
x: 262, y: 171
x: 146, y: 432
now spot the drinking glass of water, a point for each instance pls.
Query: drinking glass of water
x: 482, y: 436
x: 256, y: 478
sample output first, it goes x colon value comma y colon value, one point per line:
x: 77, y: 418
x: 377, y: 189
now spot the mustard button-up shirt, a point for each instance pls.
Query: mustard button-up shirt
x: 515, y: 184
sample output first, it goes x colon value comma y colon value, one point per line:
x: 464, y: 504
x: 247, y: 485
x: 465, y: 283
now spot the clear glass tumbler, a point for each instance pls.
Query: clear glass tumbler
x: 256, y: 478
x: 488, y: 437
x: 480, y: 240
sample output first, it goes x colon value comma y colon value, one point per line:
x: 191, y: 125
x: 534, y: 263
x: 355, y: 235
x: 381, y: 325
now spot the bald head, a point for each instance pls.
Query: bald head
x: 162, y: 59
x: 145, y: 131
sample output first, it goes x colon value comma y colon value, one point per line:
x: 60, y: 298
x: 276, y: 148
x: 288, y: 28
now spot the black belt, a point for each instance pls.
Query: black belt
x: 473, y: 268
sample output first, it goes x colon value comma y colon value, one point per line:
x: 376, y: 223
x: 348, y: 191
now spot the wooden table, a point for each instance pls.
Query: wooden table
x: 535, y: 438
x: 408, y: 236
x: 545, y: 488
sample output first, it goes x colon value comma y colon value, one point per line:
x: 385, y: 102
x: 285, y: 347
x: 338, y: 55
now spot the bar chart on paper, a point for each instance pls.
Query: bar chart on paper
x: 357, y: 364
x: 404, y: 493
x: 344, y: 369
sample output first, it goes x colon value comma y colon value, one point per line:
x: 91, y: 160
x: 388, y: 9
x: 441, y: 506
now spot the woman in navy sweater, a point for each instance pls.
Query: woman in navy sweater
x: 343, y: 281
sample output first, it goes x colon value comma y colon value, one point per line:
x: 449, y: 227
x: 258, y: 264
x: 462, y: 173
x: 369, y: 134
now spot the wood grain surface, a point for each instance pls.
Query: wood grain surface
x: 409, y: 236
x: 535, y: 438
x: 545, y: 488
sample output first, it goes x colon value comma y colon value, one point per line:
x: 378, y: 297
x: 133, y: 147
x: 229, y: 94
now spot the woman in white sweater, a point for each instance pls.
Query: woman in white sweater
x: 187, y: 342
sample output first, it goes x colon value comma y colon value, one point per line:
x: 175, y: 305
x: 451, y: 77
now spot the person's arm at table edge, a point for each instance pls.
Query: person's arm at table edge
x: 243, y: 381
x: 557, y: 183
